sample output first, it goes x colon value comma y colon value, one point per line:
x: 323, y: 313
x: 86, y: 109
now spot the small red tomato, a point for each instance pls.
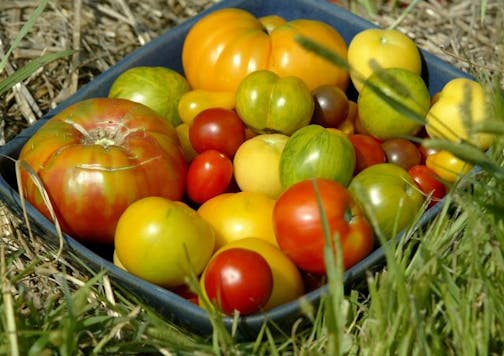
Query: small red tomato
x: 428, y: 182
x: 402, y: 152
x: 209, y: 174
x: 218, y: 129
x: 238, y: 279
x: 368, y: 151
x: 299, y: 229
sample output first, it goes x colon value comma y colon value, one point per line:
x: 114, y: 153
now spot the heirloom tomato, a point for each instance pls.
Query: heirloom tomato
x: 287, y: 280
x: 195, y: 101
x: 235, y: 216
x: 217, y: 129
x: 163, y: 241
x: 316, y: 152
x: 368, y: 151
x: 428, y: 182
x: 299, y: 227
x: 98, y: 156
x: 226, y: 45
x: 389, y: 195
x: 268, y: 103
x: 387, y: 48
x: 159, y: 88
x: 238, y: 279
x: 402, y: 152
x: 447, y: 166
x: 209, y: 174
x: 331, y: 106
x: 379, y: 117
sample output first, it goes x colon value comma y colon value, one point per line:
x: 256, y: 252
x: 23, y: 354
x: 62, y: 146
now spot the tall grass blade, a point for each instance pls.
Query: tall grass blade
x: 24, y: 30
x: 27, y: 70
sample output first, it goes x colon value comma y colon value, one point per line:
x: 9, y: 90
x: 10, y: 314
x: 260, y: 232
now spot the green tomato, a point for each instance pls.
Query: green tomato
x: 389, y: 196
x: 378, y: 117
x: 316, y: 152
x: 268, y: 103
x: 159, y: 88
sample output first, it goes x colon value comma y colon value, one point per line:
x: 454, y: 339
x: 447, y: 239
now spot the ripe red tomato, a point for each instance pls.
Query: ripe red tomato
x: 217, y: 129
x: 209, y: 174
x: 238, y: 279
x: 368, y: 151
x: 402, y: 152
x: 428, y: 182
x: 97, y: 157
x: 299, y: 230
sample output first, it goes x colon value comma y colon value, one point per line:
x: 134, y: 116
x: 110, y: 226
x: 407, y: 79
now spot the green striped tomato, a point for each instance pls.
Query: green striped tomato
x: 317, y: 152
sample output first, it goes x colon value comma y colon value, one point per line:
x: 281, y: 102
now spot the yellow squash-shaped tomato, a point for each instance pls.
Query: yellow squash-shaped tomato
x: 226, y: 45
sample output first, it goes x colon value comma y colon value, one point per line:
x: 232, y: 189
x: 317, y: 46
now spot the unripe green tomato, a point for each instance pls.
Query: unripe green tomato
x: 268, y: 103
x: 159, y: 88
x: 316, y: 152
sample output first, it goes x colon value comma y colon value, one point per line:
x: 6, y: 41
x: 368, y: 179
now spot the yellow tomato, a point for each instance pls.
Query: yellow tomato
x: 447, y: 166
x: 195, y: 101
x: 386, y: 48
x: 447, y: 119
x: 156, y: 238
x: 235, y: 216
x: 185, y: 143
x: 287, y: 281
x: 226, y: 45
x: 271, y: 22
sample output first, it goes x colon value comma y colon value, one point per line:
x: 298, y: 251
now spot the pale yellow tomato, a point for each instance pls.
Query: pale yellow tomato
x: 256, y: 164
x: 384, y: 48
x: 235, y: 216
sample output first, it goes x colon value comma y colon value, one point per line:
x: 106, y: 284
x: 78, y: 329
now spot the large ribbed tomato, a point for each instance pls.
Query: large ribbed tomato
x: 226, y: 45
x: 98, y: 156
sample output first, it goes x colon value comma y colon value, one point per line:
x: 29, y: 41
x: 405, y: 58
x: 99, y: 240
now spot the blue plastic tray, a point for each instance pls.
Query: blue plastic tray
x: 165, y: 51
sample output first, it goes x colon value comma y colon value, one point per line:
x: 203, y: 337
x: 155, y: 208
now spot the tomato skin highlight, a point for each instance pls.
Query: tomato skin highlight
x: 209, y: 174
x: 238, y: 279
x: 98, y: 156
x: 299, y: 230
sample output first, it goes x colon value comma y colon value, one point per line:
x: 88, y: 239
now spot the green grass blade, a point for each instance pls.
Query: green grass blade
x: 24, y: 72
x: 24, y: 30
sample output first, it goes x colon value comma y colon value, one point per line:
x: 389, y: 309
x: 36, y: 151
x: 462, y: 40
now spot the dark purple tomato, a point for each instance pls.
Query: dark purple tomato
x: 402, y: 152
x: 331, y: 106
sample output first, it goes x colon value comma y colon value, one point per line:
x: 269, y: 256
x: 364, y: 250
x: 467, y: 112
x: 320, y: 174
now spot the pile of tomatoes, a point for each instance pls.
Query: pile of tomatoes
x: 240, y: 172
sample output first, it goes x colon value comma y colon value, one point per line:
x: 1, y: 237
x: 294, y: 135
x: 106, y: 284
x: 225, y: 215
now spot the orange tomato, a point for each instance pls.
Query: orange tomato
x: 226, y: 45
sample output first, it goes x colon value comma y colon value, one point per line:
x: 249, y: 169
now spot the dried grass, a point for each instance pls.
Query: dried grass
x: 105, y: 31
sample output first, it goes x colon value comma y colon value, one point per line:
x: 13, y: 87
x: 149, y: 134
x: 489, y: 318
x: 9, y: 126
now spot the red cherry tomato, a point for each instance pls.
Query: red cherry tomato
x: 218, y: 129
x: 402, y: 152
x: 298, y: 224
x: 368, y: 151
x: 238, y: 279
x: 209, y: 174
x: 428, y: 182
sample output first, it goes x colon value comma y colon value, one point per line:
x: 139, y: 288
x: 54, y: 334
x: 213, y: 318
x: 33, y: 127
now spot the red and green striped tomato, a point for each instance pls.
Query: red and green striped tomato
x: 317, y: 152
x: 98, y: 156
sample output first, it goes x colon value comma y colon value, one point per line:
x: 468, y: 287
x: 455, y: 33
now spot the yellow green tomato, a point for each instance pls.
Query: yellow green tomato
x: 389, y: 196
x: 161, y: 241
x: 317, y: 152
x: 382, y: 118
x: 159, y: 88
x: 268, y: 103
x: 460, y: 104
